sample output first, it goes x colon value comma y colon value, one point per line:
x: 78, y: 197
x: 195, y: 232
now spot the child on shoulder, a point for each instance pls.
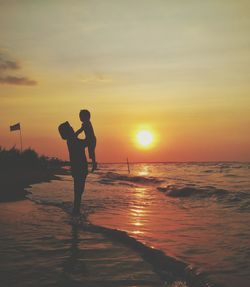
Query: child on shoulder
x: 87, y: 128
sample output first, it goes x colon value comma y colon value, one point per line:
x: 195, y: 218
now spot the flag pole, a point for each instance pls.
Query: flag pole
x: 21, y: 140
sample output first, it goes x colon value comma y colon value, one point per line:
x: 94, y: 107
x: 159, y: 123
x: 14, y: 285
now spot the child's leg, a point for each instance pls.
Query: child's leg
x: 94, y: 162
x: 91, y: 151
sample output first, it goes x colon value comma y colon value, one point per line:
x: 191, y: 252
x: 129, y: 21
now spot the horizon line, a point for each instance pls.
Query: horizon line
x: 191, y: 161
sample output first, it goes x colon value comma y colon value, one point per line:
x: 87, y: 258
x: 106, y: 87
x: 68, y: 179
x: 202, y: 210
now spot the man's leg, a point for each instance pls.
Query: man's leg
x: 79, y: 184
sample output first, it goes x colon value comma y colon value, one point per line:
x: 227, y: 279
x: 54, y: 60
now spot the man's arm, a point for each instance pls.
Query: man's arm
x: 79, y: 131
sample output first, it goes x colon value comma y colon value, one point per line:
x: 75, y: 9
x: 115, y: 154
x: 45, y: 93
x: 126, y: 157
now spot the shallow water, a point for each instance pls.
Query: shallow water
x: 40, y: 245
x: 195, y: 212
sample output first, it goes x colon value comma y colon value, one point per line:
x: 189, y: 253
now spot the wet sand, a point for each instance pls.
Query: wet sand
x: 42, y: 247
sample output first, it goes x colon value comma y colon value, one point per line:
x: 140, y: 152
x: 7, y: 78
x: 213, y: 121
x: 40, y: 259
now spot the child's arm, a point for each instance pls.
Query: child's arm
x: 79, y: 131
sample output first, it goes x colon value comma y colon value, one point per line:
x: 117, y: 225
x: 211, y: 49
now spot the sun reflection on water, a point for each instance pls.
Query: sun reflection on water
x: 137, y: 211
x: 144, y: 170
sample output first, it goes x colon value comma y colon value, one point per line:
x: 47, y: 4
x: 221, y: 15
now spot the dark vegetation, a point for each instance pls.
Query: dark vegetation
x: 20, y: 169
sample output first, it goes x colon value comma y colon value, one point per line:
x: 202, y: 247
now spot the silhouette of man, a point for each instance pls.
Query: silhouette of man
x: 78, y: 162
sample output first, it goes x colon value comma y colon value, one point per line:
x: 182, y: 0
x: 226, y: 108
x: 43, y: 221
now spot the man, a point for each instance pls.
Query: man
x: 78, y: 162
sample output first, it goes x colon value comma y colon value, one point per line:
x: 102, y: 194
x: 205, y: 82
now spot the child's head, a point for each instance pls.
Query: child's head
x: 66, y: 131
x: 84, y: 115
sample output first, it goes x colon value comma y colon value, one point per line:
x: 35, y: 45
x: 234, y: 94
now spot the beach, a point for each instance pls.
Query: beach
x: 161, y: 224
x: 57, y: 253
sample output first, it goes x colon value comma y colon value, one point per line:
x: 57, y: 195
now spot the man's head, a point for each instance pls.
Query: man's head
x: 66, y: 131
x: 84, y: 115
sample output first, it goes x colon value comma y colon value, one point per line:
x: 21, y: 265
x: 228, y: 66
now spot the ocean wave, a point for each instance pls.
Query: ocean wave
x: 209, y: 171
x: 112, y: 177
x: 229, y: 197
x: 187, y: 191
x: 230, y: 175
x: 170, y: 270
x: 106, y: 181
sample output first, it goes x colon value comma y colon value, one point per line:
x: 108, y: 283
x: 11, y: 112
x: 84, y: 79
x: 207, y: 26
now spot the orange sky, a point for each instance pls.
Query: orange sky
x: 181, y: 70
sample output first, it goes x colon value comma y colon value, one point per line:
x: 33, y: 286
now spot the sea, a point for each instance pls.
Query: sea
x: 196, y: 215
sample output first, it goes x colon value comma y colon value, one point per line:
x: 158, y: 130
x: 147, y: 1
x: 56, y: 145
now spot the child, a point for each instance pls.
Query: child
x: 87, y: 127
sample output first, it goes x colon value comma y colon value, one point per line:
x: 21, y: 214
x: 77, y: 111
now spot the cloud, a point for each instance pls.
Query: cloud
x: 96, y: 78
x: 12, y: 80
x: 8, y: 65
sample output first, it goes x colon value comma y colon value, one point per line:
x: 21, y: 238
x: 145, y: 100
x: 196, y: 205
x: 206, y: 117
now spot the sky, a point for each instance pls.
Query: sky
x: 179, y: 69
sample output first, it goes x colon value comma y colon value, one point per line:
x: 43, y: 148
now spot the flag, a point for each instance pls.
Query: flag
x: 15, y: 127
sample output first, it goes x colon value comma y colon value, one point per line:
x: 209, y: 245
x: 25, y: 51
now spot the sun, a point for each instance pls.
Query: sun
x: 144, y: 138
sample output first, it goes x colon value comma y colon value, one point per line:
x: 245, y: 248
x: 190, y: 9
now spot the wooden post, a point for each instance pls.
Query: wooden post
x: 128, y: 166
